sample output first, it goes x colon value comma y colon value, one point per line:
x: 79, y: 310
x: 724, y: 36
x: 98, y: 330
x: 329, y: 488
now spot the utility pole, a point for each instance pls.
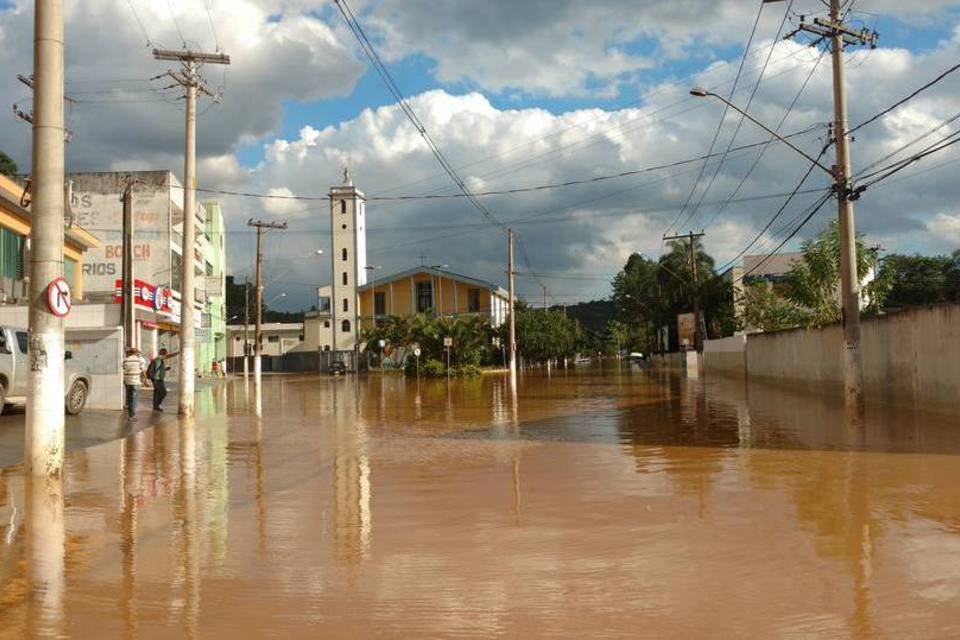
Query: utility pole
x: 189, y: 78
x: 246, y: 325
x: 257, y: 336
x: 44, y: 426
x: 544, y: 287
x: 698, y: 333
x: 839, y: 35
x: 129, y: 299
x: 512, y: 346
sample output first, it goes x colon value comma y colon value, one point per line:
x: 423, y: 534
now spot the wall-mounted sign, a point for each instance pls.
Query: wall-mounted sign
x: 146, y: 296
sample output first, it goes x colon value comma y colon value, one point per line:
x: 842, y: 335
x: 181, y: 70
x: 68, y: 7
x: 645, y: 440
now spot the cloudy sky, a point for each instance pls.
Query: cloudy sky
x: 515, y: 94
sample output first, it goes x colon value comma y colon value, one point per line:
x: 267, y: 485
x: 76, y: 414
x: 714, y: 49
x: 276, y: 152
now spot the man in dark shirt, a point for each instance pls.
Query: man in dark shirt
x: 157, y: 372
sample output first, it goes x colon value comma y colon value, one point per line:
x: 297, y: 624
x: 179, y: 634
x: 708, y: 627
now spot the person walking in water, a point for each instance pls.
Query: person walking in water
x: 157, y: 372
x: 132, y: 378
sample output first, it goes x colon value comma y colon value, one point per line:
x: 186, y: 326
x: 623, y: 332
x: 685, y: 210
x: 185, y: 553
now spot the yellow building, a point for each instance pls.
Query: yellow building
x: 406, y: 294
x: 429, y: 290
x: 15, y: 225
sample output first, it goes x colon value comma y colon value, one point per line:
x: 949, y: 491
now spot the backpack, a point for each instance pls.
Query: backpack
x: 152, y: 368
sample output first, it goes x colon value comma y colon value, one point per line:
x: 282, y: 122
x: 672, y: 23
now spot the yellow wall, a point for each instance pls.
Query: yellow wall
x: 16, y: 222
x: 450, y: 297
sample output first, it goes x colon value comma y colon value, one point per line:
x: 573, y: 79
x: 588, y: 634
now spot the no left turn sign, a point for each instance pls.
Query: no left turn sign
x: 58, y: 297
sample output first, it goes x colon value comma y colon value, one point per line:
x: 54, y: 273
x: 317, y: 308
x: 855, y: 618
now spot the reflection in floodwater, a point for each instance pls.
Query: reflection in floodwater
x: 45, y: 555
x: 623, y: 500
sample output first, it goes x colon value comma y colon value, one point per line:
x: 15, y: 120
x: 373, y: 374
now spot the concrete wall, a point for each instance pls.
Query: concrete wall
x: 909, y: 358
x: 726, y: 355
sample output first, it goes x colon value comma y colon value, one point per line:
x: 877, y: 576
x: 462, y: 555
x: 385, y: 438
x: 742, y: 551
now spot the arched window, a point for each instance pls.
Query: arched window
x: 326, y: 347
x: 346, y: 304
x: 345, y: 326
x: 343, y: 206
x: 344, y: 277
x: 343, y: 254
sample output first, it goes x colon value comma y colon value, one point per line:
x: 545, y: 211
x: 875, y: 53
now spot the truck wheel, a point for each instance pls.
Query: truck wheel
x: 3, y: 398
x: 76, y: 397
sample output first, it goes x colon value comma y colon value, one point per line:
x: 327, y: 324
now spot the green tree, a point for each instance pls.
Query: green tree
x: 7, y: 165
x: 811, y: 286
x: 917, y: 279
x: 545, y: 334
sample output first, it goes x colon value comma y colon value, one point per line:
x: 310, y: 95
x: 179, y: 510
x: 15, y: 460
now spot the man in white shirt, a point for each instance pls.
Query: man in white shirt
x: 132, y: 378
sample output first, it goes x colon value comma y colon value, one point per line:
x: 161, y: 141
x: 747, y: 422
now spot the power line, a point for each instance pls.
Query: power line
x: 736, y: 131
x: 517, y: 190
x: 384, y: 73
x: 766, y: 146
x: 906, y: 99
x: 723, y: 116
x: 143, y: 29
x: 183, y: 40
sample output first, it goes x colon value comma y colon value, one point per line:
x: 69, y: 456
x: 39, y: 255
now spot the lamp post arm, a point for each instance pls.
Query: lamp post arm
x: 768, y: 130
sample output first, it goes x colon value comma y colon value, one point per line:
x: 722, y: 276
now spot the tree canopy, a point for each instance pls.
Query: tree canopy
x: 7, y: 165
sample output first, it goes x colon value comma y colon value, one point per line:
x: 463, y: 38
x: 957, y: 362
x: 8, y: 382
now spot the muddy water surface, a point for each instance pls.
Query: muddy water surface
x: 613, y: 503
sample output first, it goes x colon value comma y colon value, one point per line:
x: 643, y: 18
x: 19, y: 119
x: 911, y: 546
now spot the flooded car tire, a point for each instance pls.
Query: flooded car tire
x: 77, y: 397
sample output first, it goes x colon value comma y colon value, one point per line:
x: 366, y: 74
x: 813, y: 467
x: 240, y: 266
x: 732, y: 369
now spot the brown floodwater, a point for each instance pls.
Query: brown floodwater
x: 595, y: 503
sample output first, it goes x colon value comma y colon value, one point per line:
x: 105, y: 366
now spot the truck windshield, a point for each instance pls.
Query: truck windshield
x: 22, y: 341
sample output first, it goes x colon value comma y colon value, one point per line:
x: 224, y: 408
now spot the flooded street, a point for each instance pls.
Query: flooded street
x: 599, y: 503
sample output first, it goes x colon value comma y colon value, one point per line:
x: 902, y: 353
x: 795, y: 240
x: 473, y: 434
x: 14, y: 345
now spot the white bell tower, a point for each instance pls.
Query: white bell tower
x: 348, y: 258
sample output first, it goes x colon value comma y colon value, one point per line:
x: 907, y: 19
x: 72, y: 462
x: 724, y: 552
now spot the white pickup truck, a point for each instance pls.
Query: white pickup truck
x: 14, y: 367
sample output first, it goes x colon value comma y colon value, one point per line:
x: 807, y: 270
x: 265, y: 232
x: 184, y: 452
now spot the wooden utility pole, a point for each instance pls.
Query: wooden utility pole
x: 691, y: 237
x: 512, y: 346
x: 44, y: 425
x: 129, y: 294
x: 840, y: 35
x: 258, y: 317
x: 190, y: 79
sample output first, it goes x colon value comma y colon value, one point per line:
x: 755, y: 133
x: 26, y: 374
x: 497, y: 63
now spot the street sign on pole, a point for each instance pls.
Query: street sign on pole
x: 58, y: 297
x: 448, y: 342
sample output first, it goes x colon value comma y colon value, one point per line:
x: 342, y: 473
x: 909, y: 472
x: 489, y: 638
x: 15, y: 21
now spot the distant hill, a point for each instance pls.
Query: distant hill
x: 593, y: 315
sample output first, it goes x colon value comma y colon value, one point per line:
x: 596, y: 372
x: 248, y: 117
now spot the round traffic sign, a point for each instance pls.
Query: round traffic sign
x: 58, y: 297
x: 416, y: 352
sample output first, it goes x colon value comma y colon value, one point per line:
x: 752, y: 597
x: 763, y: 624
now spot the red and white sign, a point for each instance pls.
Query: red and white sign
x: 58, y: 297
x: 146, y: 296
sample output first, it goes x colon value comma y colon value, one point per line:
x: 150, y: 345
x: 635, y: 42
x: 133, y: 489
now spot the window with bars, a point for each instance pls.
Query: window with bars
x: 424, y: 296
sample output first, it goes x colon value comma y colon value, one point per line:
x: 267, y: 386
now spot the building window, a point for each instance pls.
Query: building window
x: 346, y: 304
x: 70, y: 273
x: 273, y: 338
x: 424, y: 296
x: 343, y: 206
x: 473, y: 300
x: 344, y: 278
x: 326, y: 347
x: 326, y: 324
x: 324, y: 302
x: 379, y: 303
x: 343, y: 254
x: 11, y: 248
x: 345, y: 326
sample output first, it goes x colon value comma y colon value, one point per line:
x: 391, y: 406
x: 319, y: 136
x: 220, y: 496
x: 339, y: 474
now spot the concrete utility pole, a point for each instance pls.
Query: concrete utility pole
x: 840, y: 35
x: 512, y: 346
x: 691, y: 237
x: 544, y: 287
x: 190, y: 79
x: 246, y: 324
x: 44, y: 428
x: 129, y: 300
x: 257, y: 335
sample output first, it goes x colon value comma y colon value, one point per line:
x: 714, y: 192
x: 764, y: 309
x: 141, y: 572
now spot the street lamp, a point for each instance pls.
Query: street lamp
x: 840, y: 175
x: 372, y: 271
x: 700, y: 92
x: 439, y: 269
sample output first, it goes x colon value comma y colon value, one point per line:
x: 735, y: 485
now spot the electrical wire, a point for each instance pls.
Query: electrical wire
x: 766, y: 146
x: 746, y: 108
x: 905, y: 99
x: 726, y: 108
x: 404, y: 105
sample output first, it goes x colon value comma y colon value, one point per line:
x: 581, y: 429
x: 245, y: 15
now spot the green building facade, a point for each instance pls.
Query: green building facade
x: 212, y: 332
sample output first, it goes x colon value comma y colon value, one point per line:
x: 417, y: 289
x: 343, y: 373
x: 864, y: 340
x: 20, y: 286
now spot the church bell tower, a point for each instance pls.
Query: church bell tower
x: 348, y: 259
